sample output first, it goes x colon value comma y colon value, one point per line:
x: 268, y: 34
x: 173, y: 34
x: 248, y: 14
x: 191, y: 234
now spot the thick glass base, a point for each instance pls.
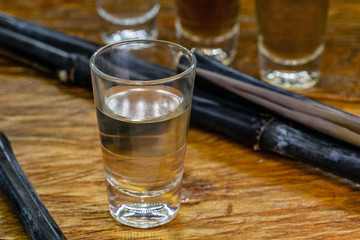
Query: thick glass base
x: 141, y: 208
x: 290, y: 74
x: 291, y: 80
x: 144, y: 215
x: 220, y: 48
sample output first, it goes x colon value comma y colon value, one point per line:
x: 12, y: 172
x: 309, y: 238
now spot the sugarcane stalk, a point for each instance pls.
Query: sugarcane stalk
x: 264, y: 132
x: 69, y: 67
x: 23, y: 198
x: 319, y: 117
x: 46, y: 35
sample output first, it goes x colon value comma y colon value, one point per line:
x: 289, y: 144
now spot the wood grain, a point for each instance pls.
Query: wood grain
x: 229, y: 191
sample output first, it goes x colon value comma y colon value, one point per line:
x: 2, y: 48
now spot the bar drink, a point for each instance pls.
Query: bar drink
x: 210, y: 26
x: 143, y: 128
x: 128, y: 19
x: 144, y: 148
x: 291, y: 41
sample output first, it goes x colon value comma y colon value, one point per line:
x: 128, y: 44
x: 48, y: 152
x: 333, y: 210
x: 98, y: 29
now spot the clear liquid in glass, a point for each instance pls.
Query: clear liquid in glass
x: 143, y: 134
x: 128, y: 19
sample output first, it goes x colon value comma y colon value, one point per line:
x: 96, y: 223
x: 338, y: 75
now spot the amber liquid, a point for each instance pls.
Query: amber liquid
x: 291, y: 41
x: 207, y: 18
x: 291, y: 29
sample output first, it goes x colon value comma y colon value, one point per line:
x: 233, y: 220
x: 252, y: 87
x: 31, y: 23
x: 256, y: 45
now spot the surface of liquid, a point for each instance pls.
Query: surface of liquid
x: 143, y: 135
x: 292, y: 29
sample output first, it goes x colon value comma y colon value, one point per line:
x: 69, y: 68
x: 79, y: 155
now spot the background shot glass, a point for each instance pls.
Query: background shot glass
x: 210, y: 26
x: 291, y: 41
x: 128, y: 19
x: 143, y: 106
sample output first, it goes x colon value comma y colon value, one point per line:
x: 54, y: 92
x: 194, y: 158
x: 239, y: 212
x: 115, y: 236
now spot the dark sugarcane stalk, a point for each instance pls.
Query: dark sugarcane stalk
x: 306, y: 107
x: 312, y: 148
x: 68, y: 66
x: 319, y: 117
x: 21, y: 195
x: 49, y: 36
x: 220, y: 110
x: 260, y: 130
x: 63, y: 43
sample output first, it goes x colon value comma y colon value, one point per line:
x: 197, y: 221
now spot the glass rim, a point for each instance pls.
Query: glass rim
x: 100, y: 73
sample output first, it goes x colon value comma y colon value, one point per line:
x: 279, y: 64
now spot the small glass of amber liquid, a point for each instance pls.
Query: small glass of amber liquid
x: 291, y: 41
x: 209, y: 26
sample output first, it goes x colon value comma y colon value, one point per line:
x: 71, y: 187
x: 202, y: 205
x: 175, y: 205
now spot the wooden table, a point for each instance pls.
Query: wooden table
x: 229, y: 191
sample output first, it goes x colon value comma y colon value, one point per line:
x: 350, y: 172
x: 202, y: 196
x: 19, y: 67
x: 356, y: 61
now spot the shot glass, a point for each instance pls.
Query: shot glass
x: 143, y: 92
x: 291, y: 41
x: 209, y: 26
x: 128, y: 19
